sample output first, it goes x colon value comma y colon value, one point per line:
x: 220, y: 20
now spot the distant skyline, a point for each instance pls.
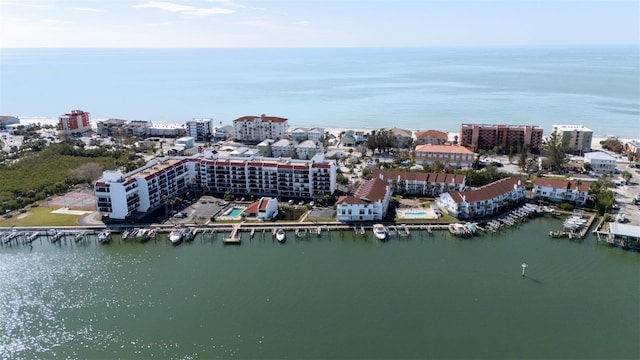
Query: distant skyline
x: 315, y: 23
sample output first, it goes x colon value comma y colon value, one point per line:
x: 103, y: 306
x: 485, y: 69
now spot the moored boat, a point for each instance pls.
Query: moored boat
x: 380, y: 231
x: 281, y: 235
x: 104, y: 237
x: 176, y: 235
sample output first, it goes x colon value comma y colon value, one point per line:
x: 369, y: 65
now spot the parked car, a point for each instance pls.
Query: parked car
x: 290, y: 202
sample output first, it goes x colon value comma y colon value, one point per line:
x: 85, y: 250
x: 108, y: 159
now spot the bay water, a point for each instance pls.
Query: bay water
x: 337, y: 296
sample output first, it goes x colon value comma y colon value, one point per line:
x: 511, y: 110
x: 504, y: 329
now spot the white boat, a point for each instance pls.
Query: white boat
x: 380, y: 231
x: 175, y: 236
x: 104, y: 237
x: 281, y: 235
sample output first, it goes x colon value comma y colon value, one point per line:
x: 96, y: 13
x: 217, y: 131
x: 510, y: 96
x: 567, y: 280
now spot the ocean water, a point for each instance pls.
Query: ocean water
x: 335, y: 297
x: 412, y: 88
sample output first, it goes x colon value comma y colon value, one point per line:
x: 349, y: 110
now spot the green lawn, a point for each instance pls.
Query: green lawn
x: 40, y: 216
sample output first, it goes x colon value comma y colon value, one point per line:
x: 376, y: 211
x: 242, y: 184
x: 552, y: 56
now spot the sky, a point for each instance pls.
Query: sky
x: 314, y: 23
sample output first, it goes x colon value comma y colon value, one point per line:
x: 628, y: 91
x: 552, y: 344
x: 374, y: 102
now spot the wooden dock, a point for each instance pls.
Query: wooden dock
x: 233, y: 238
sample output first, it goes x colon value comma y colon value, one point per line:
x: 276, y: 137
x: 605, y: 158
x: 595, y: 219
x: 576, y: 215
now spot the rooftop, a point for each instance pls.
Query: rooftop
x: 452, y: 149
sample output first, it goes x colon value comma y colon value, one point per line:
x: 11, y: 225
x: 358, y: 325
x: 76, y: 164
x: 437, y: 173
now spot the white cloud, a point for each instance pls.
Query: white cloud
x: 87, y: 9
x: 24, y: 4
x: 185, y: 10
x: 164, y: 23
x: 302, y: 23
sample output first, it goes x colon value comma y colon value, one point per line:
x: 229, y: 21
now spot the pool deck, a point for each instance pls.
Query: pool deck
x: 429, y: 214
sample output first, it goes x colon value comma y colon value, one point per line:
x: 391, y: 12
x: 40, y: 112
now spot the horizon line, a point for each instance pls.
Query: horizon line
x: 332, y: 47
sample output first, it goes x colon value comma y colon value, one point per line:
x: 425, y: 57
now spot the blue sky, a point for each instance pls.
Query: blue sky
x: 315, y: 23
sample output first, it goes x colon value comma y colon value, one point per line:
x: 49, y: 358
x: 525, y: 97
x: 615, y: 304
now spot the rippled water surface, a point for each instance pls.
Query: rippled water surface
x: 337, y: 296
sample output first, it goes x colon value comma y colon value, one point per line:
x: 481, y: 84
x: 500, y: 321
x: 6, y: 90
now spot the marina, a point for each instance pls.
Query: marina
x: 230, y: 315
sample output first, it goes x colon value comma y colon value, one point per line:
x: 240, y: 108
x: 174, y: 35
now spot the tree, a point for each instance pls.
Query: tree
x: 613, y: 144
x: 626, y: 176
x: 555, y: 148
x: 511, y: 153
x: 88, y: 172
x: 437, y: 166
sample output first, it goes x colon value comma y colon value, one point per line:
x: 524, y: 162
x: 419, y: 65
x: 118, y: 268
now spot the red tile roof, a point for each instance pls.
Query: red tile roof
x: 418, y: 176
x: 371, y: 191
x: 562, y: 184
x: 252, y: 209
x: 262, y: 118
x: 451, y: 149
x: 432, y: 133
x: 488, y: 191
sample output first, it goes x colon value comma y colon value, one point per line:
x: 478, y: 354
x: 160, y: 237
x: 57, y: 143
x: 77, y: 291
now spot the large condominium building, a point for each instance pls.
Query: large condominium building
x: 75, y: 121
x: 448, y: 155
x: 486, y: 200
x: 200, y: 129
x: 369, y: 203
x: 502, y: 137
x: 143, y: 190
x: 254, y: 129
x: 579, y: 137
x: 419, y: 182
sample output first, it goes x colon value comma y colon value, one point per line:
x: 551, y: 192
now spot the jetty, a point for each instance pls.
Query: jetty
x: 233, y: 238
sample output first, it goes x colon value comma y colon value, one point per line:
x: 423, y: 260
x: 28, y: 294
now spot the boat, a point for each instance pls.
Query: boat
x: 104, y: 237
x: 281, y: 235
x: 380, y: 231
x: 472, y: 227
x: 176, y: 235
x: 457, y: 229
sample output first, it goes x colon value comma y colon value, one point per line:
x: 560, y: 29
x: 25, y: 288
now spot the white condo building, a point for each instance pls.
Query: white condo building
x: 143, y: 190
x: 486, y: 200
x: 200, y: 129
x: 580, y: 137
x: 369, y: 203
x: 254, y: 129
x: 601, y: 162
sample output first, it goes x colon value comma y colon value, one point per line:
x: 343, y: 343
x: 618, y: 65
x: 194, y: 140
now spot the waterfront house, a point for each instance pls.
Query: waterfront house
x: 420, y: 183
x: 448, y: 155
x: 301, y: 134
x: 348, y: 139
x: 223, y: 132
x: 110, y: 127
x: 401, y: 137
x: 633, y: 148
x: 307, y: 149
x: 266, y: 208
x: 264, y: 147
x: 601, y: 162
x: 369, y: 203
x: 433, y: 137
x: 559, y: 190
x: 489, y: 199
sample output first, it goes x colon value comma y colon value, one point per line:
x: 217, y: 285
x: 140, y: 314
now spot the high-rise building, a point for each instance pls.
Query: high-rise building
x: 200, y: 129
x: 145, y: 189
x: 501, y: 137
x: 75, y: 121
x: 578, y: 137
x: 254, y: 129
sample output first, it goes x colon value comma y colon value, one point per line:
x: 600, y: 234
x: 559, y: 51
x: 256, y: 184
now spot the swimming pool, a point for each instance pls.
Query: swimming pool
x: 235, y: 212
x: 417, y: 213
x: 414, y: 214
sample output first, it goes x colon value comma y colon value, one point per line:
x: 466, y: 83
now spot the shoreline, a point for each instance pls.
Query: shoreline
x: 597, y: 137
